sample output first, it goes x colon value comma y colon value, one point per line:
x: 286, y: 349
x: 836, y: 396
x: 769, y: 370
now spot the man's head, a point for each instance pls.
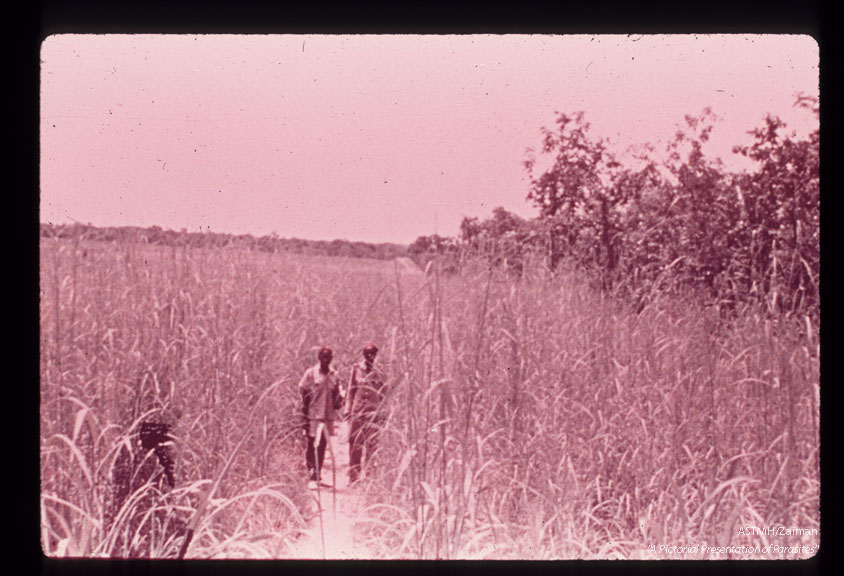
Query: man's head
x: 325, y: 356
x: 369, y: 353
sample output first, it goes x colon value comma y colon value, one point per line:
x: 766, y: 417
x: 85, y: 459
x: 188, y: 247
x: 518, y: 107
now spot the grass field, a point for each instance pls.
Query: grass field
x: 531, y: 417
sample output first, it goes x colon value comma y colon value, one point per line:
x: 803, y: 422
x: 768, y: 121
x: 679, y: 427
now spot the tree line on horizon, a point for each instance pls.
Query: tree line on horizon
x: 157, y: 236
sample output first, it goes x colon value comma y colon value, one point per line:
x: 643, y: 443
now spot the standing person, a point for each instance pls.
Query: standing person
x: 322, y: 398
x: 367, y: 387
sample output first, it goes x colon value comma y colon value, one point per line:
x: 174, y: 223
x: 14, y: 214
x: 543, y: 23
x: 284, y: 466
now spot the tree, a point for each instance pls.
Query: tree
x: 470, y: 230
x: 705, y: 208
x: 426, y: 248
x: 580, y: 196
x: 780, y: 207
x: 503, y: 239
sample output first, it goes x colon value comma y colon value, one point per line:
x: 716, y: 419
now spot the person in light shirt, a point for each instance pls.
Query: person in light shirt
x: 322, y: 398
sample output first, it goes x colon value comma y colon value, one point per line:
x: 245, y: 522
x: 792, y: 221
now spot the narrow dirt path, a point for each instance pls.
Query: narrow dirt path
x: 331, y: 535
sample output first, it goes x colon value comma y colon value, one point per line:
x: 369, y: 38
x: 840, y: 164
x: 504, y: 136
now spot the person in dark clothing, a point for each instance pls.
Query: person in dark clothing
x: 367, y: 387
x: 322, y: 398
x: 145, y: 461
x: 155, y: 436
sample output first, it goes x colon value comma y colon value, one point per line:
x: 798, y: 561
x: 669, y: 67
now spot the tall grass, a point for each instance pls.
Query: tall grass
x: 553, y: 422
x: 530, y: 417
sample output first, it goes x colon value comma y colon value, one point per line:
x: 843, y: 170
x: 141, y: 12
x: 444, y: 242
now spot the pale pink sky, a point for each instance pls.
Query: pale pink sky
x: 372, y: 138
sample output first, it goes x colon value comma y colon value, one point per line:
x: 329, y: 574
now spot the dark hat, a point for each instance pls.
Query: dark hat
x: 325, y: 351
x: 370, y: 348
